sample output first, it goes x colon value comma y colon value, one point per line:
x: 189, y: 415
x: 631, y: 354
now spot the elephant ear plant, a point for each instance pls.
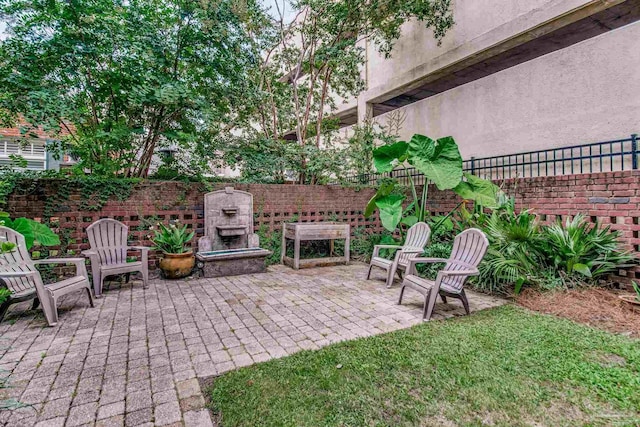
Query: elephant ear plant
x: 441, y: 163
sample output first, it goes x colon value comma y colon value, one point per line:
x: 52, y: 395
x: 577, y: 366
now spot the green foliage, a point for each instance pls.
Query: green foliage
x: 584, y: 248
x: 131, y: 77
x: 272, y: 241
x: 172, y: 239
x: 434, y: 250
x: 308, y: 64
x: 387, y: 157
x: 96, y: 191
x: 7, y: 247
x: 440, y: 162
x: 560, y: 255
x: 4, y: 293
x: 390, y: 210
x: 364, y: 139
x: 363, y: 241
x: 483, y: 192
x: 33, y: 232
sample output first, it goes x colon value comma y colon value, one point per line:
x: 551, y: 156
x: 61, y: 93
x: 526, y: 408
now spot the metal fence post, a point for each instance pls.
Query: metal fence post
x: 473, y: 165
x: 634, y: 151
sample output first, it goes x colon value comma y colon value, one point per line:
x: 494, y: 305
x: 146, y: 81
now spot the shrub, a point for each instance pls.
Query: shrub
x: 172, y: 239
x: 560, y: 255
x: 578, y: 247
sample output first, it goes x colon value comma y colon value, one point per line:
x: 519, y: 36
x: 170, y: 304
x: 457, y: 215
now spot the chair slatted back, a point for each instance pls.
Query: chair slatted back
x: 417, y: 237
x: 469, y: 248
x: 16, y: 260
x: 108, y: 238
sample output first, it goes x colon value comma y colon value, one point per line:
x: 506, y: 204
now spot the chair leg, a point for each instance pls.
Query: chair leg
x: 433, y: 294
x: 36, y: 303
x: 425, y: 310
x: 101, y: 284
x: 444, y: 298
x: 88, y: 289
x: 97, y: 284
x: 50, y: 309
x: 401, y: 294
x: 369, y: 273
x: 4, y: 307
x: 145, y: 277
x: 390, y: 274
x: 399, y: 273
x: 465, y: 302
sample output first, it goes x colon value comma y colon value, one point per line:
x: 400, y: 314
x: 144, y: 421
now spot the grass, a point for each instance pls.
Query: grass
x: 505, y: 366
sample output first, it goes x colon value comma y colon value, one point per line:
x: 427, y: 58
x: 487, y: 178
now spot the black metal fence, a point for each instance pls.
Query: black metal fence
x: 606, y: 156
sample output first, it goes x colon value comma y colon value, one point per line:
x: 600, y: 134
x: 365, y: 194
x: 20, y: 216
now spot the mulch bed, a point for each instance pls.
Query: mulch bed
x: 600, y: 308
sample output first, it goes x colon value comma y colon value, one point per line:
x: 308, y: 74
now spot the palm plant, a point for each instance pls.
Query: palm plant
x: 580, y: 247
x: 513, y: 257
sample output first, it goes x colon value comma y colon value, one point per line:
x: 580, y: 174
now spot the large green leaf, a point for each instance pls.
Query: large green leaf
x: 410, y: 220
x: 582, y: 269
x: 387, y: 157
x: 22, y: 226
x: 384, y: 190
x: 390, y: 210
x: 43, y: 235
x: 481, y: 191
x: 33, y: 232
x: 440, y: 161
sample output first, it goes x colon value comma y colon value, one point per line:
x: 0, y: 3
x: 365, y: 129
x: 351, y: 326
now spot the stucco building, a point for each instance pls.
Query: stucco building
x: 512, y: 76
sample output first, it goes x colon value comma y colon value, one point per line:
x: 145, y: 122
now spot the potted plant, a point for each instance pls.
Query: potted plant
x: 178, y: 259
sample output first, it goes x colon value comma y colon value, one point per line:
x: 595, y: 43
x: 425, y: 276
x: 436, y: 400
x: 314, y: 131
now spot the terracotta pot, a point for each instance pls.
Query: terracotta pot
x: 177, y: 266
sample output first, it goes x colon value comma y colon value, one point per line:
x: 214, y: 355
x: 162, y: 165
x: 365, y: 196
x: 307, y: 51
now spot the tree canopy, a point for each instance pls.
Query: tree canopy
x: 130, y: 75
x: 315, y: 60
x: 214, y: 79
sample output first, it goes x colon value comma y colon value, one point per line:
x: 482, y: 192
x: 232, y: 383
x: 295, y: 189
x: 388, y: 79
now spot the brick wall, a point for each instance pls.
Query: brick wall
x: 151, y: 202
x: 611, y: 198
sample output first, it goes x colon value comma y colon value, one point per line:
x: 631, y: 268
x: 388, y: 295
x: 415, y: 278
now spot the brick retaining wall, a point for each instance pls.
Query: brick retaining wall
x: 611, y: 198
x: 153, y: 201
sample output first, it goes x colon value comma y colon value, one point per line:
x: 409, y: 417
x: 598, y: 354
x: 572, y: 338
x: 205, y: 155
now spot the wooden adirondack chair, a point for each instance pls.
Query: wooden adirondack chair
x: 417, y: 238
x: 19, y: 274
x: 469, y: 247
x: 108, y: 253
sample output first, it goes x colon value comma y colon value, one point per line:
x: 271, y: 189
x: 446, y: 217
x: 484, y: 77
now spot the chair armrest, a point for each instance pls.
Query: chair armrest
x: 376, y: 248
x: 411, y: 268
x: 81, y: 269
x: 12, y: 274
x: 89, y: 253
x: 470, y: 272
x: 59, y: 261
x: 144, y: 253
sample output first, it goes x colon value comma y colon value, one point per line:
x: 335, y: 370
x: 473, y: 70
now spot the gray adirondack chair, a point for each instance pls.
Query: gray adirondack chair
x: 417, y: 238
x: 108, y: 253
x: 19, y: 274
x: 469, y: 247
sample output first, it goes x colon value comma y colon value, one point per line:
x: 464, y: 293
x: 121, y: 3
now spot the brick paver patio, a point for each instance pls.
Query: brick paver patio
x: 135, y: 358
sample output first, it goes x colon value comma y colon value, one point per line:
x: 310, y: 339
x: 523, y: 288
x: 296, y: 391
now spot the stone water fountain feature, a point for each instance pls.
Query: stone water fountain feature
x: 229, y: 246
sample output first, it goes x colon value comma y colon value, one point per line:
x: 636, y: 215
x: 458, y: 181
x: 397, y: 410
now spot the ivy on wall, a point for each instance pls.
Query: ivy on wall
x: 94, y: 192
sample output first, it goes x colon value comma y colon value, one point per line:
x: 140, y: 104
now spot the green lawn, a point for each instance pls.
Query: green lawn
x: 504, y: 366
